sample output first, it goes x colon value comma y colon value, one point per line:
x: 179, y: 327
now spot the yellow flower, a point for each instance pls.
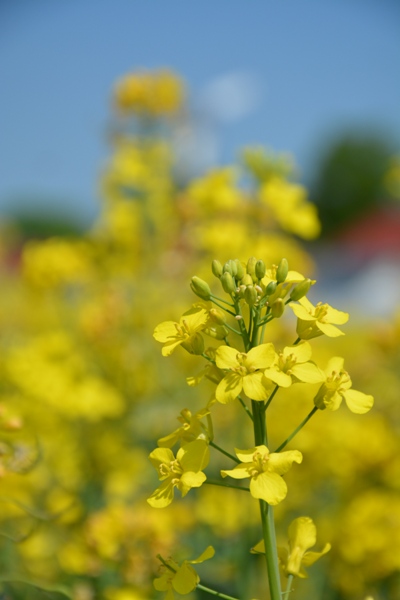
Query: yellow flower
x: 244, y: 372
x: 185, y: 333
x: 338, y: 387
x: 265, y: 470
x: 302, y: 536
x: 183, y: 472
x: 313, y: 321
x: 293, y: 365
x: 192, y: 429
x: 182, y: 579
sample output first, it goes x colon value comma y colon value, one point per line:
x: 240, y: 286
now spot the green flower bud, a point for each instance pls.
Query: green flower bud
x: 195, y: 345
x: 271, y: 288
x: 216, y: 268
x: 277, y: 309
x: 282, y: 271
x: 217, y: 316
x: 260, y: 269
x: 227, y: 283
x: 247, y: 280
x: 250, y: 295
x: 239, y: 269
x: 200, y: 288
x: 218, y: 333
x: 301, y: 289
x: 227, y: 268
x: 233, y: 266
x: 251, y: 266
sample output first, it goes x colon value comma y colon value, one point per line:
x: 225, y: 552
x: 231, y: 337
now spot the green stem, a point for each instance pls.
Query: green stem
x: 266, y: 510
x: 268, y: 402
x: 224, y: 452
x: 246, y: 408
x: 223, y: 307
x: 285, y: 595
x: 298, y: 428
x: 297, y: 341
x: 220, y: 300
x: 227, y: 485
x: 233, y: 329
x: 214, y: 592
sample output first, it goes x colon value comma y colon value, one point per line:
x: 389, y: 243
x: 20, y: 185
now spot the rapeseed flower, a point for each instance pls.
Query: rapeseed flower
x: 180, y: 578
x: 185, y: 333
x: 244, y: 372
x: 292, y: 365
x: 192, y: 428
x: 265, y: 470
x: 313, y: 321
x: 337, y: 387
x: 183, y: 472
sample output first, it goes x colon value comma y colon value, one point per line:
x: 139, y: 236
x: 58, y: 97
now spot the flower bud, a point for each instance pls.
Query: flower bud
x: 219, y: 332
x: 301, y: 289
x: 217, y: 316
x: 239, y: 269
x: 227, y: 268
x: 260, y: 269
x: 216, y: 268
x: 246, y: 280
x: 282, y: 271
x: 195, y: 345
x: 200, y: 288
x: 233, y: 266
x: 277, y: 309
x: 250, y: 295
x: 271, y: 288
x: 227, y: 283
x: 251, y: 266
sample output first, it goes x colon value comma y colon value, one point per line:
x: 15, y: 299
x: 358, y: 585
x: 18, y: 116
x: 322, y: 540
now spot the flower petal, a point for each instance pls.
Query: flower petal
x: 301, y: 352
x: 335, y: 316
x: 163, y: 495
x: 229, y: 388
x: 246, y: 456
x: 358, y: 402
x: 279, y: 377
x: 239, y: 472
x: 308, y: 373
x: 190, y: 480
x: 208, y: 553
x: 194, y: 456
x: 301, y: 312
x: 254, y: 387
x: 185, y: 579
x: 260, y: 357
x: 195, y: 319
x: 329, y: 330
x: 269, y: 487
x: 302, y: 533
x: 310, y: 557
x: 281, y: 462
x: 160, y: 456
x: 226, y: 357
x: 165, y: 332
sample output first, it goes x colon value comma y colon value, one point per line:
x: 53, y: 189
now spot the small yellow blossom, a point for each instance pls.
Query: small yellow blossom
x: 265, y: 470
x: 293, y: 365
x: 192, y: 429
x: 302, y: 536
x: 185, y: 333
x: 338, y: 387
x: 313, y: 321
x: 244, y: 372
x: 183, y: 472
x: 182, y: 579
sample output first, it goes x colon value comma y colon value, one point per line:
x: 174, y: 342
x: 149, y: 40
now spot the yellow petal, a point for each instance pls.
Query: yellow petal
x: 358, y: 402
x: 254, y: 387
x: 301, y: 352
x: 336, y: 364
x: 301, y: 312
x: 164, y: 332
x: 260, y: 357
x: 185, y: 579
x: 329, y: 330
x: 229, y: 388
x: 169, y: 347
x: 194, y: 456
x: 226, y: 357
x: 281, y: 462
x: 336, y: 316
x: 259, y: 548
x: 170, y: 440
x: 208, y: 553
x: 195, y: 319
x: 246, y: 456
x: 163, y: 495
x: 294, y: 277
x: 308, y: 373
x: 163, y: 583
x: 269, y: 487
x: 310, y: 557
x: 302, y: 533
x: 190, y: 480
x: 279, y: 377
x: 239, y: 472
x: 161, y: 455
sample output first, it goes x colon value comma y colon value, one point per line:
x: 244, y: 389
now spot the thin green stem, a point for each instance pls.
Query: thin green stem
x: 298, y: 428
x: 204, y: 355
x: 224, y: 452
x: 214, y: 592
x: 246, y: 408
x: 233, y: 329
x: 227, y: 485
x: 289, y: 588
x: 223, y: 307
x: 266, y: 510
x: 268, y: 402
x: 220, y: 300
x: 297, y: 341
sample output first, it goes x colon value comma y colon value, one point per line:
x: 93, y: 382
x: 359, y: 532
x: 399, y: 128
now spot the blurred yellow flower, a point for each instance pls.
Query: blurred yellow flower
x: 182, y: 579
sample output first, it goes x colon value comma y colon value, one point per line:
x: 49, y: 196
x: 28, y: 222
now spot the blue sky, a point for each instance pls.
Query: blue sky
x: 316, y: 67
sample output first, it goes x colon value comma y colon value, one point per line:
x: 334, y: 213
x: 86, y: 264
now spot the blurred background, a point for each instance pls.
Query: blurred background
x: 138, y: 142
